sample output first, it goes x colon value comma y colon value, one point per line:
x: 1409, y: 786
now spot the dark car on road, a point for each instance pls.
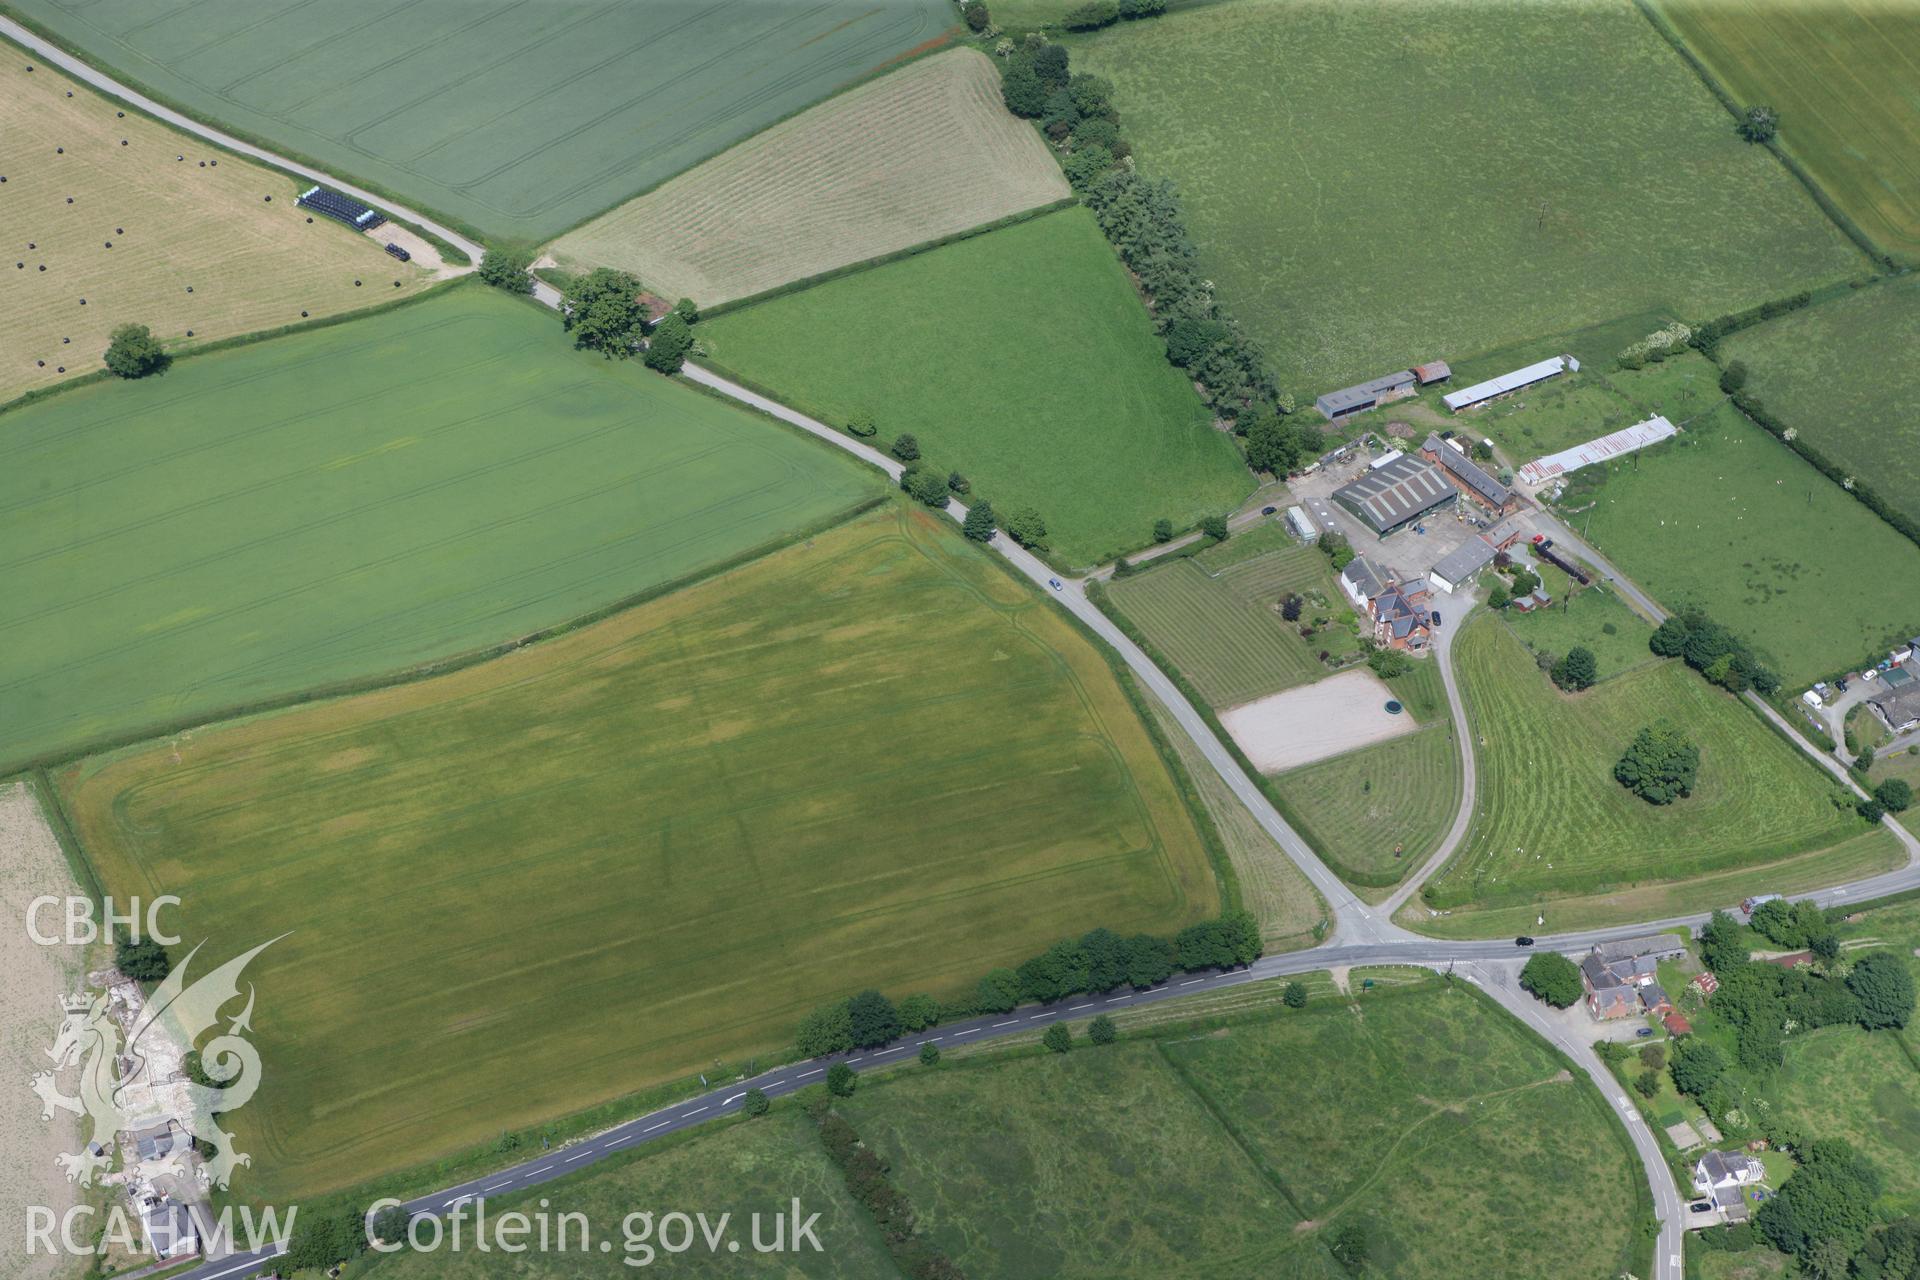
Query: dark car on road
x: 1435, y: 615
x: 1523, y: 941
x: 1267, y: 511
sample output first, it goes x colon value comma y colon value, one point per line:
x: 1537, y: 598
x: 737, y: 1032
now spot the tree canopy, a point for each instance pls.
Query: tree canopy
x: 1883, y: 985
x: 668, y: 344
x: 1552, y: 977
x: 603, y: 313
x: 1660, y: 766
x: 1577, y: 670
x: 133, y: 352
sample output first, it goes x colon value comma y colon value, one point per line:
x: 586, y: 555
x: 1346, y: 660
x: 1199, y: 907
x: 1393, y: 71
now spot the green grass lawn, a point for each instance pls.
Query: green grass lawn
x: 1824, y: 371
x: 1417, y: 1112
x: 520, y: 119
x: 1729, y: 519
x: 1024, y: 358
x: 745, y: 1169
x: 1376, y: 813
x: 1219, y: 625
x: 1841, y: 75
x: 356, y: 500
x: 1552, y: 821
x: 1376, y: 183
x: 608, y: 860
x: 1594, y: 616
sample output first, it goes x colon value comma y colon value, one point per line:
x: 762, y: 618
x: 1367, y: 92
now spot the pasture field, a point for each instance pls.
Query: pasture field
x: 1415, y: 1111
x: 1220, y: 626
x: 335, y: 505
x: 1271, y: 885
x: 1843, y: 1082
x: 1841, y: 75
x: 1824, y: 372
x: 1022, y: 357
x: 130, y: 228
x: 1597, y: 400
x: 1552, y: 821
x: 519, y: 119
x: 1728, y: 518
x: 872, y: 758
x: 1331, y: 264
x: 740, y: 1169
x: 1376, y: 813
x: 927, y: 151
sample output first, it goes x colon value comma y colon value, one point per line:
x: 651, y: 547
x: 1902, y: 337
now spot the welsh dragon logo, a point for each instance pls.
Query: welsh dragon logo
x: 90, y: 1039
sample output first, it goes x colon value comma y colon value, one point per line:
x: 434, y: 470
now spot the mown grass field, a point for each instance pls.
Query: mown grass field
x: 603, y: 862
x: 1552, y: 821
x: 740, y: 1169
x: 339, y: 504
x: 1841, y: 75
x: 1434, y: 207
x: 1415, y: 1111
x: 519, y: 119
x: 143, y: 227
x: 1024, y: 358
x: 1376, y: 813
x: 1730, y: 519
x: 1593, y: 616
x: 927, y: 151
x: 1824, y: 371
x: 1218, y: 624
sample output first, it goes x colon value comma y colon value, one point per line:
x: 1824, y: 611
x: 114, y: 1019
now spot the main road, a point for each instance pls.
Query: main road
x: 1361, y: 935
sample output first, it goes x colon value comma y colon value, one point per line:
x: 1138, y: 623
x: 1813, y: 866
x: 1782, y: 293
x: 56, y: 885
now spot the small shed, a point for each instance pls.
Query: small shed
x: 1431, y: 372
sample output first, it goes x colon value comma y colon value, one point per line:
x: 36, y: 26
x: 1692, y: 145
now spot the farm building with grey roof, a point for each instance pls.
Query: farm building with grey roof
x: 1469, y: 476
x: 1393, y: 496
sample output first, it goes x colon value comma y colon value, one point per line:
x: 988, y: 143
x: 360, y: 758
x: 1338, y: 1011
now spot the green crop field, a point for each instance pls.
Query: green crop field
x: 1418, y: 1113
x: 927, y: 151
x: 742, y: 1170
x: 338, y: 504
x: 521, y: 119
x: 1841, y: 75
x: 604, y: 861
x: 1220, y: 626
x: 1376, y: 813
x: 131, y: 228
x: 1825, y: 372
x: 1552, y: 821
x: 1102, y: 436
x: 1439, y: 179
x: 1729, y: 519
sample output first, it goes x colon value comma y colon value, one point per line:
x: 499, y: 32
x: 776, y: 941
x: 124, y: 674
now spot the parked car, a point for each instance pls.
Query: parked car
x: 399, y: 253
x: 1267, y: 511
x: 1523, y: 941
x: 1054, y: 583
x: 1644, y: 1032
x: 1435, y: 615
x: 1701, y: 1206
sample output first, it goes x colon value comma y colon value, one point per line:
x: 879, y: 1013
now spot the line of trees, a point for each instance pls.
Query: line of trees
x: 1713, y: 651
x: 1097, y: 962
x: 1145, y: 223
x: 865, y: 1174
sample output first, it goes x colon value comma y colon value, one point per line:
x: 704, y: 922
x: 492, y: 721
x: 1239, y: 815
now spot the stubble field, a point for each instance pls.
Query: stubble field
x: 335, y: 505
x: 204, y: 223
x: 605, y: 861
x: 1485, y: 181
x: 924, y: 152
x: 519, y: 119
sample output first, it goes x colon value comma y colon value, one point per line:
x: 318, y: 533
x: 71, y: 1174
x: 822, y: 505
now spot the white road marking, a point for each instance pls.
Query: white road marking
x: 619, y: 1141
x: 454, y: 1200
x: 496, y: 1186
x: 1118, y: 999
x: 861, y: 1058
x: 1013, y: 1022
x: 695, y: 1112
x: 1078, y: 1007
x: 896, y: 1049
x: 735, y: 1098
x: 1035, y: 1017
x: 804, y: 1074
x: 650, y: 1128
x: 931, y: 1039
x: 255, y: 1262
x: 542, y: 1169
x: 582, y: 1156
x: 1190, y: 981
